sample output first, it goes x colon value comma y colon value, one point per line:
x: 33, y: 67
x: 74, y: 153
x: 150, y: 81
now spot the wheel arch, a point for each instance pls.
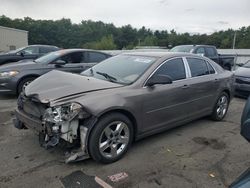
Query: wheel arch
x: 125, y: 112
x: 24, y: 77
x: 227, y: 91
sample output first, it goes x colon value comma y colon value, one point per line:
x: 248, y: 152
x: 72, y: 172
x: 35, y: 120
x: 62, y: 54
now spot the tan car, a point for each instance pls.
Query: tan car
x: 123, y: 99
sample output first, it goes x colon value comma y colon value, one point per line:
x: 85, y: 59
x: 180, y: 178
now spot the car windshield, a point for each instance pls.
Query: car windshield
x: 48, y: 58
x: 247, y: 65
x: 182, y: 49
x: 123, y: 69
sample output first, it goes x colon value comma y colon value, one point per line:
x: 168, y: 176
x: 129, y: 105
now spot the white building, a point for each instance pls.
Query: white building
x: 11, y: 39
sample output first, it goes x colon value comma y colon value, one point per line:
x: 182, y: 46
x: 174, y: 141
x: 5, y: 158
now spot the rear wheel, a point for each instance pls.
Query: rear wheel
x: 110, y: 138
x: 24, y: 83
x: 221, y: 107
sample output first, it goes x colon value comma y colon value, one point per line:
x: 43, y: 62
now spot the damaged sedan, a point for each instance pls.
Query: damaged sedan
x: 122, y: 99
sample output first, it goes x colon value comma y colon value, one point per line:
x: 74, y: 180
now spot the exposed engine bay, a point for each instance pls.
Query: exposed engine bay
x: 67, y: 122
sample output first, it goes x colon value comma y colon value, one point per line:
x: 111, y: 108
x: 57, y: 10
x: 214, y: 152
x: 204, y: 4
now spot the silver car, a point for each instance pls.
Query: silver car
x: 123, y: 99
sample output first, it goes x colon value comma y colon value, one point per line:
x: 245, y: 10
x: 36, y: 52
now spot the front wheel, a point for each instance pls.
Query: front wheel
x: 221, y: 107
x: 24, y: 83
x: 110, y: 138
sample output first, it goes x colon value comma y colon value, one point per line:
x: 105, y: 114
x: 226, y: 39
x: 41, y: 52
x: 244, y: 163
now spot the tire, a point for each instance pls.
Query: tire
x: 220, y: 107
x: 115, y: 133
x: 23, y: 83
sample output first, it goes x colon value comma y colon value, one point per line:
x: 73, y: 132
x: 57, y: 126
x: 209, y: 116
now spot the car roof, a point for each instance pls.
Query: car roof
x: 80, y: 50
x: 42, y: 45
x: 160, y: 54
x: 196, y: 45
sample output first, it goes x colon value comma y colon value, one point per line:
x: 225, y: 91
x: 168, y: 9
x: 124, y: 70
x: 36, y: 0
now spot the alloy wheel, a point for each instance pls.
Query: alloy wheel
x: 222, y: 106
x: 25, y: 85
x: 114, y: 139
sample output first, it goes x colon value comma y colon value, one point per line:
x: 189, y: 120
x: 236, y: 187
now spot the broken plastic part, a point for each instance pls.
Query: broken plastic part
x: 48, y: 142
x: 81, y: 153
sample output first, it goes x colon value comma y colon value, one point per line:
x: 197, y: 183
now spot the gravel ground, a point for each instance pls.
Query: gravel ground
x: 201, y: 154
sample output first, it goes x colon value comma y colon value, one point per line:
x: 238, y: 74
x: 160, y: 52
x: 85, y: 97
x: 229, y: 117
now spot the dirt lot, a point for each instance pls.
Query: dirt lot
x: 200, y: 154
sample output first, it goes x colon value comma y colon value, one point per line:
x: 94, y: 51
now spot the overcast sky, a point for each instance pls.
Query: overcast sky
x: 193, y: 16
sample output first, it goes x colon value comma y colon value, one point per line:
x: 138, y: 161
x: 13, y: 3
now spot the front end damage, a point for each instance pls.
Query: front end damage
x: 68, y: 123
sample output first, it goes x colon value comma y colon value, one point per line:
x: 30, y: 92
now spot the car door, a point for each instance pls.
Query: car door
x: 167, y: 104
x: 204, y: 85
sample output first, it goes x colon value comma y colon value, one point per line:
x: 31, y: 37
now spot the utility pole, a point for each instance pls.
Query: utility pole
x: 235, y: 33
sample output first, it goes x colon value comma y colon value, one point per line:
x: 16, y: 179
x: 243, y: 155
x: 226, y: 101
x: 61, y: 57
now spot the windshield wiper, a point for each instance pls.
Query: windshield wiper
x: 107, y: 76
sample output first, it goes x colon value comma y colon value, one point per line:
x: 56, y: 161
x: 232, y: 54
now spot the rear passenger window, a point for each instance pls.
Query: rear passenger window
x: 173, y: 68
x: 45, y: 50
x: 96, y: 57
x: 210, y: 68
x: 198, y: 67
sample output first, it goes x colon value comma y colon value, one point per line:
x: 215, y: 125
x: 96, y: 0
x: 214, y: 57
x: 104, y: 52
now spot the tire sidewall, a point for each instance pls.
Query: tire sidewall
x: 215, y: 115
x: 22, y: 82
x: 95, y: 135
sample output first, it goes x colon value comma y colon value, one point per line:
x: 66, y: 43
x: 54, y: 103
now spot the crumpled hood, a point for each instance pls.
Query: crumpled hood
x: 242, y: 71
x: 57, y: 85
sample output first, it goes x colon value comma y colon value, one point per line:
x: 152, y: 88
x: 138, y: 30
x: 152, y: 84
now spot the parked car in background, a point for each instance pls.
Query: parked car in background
x: 16, y: 76
x: 242, y: 80
x: 28, y: 52
x: 122, y: 99
x: 243, y: 181
x: 245, y: 121
x: 226, y: 61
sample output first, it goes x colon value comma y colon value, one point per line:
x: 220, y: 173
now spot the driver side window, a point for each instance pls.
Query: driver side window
x: 173, y: 68
x: 76, y: 57
x: 31, y: 50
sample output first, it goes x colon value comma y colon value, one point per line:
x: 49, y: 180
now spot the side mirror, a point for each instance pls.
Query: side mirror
x: 20, y: 53
x: 159, y: 79
x: 59, y: 63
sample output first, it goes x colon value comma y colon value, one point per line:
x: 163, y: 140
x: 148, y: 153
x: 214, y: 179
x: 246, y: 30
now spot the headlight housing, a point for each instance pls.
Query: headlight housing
x: 8, y: 74
x: 65, y: 112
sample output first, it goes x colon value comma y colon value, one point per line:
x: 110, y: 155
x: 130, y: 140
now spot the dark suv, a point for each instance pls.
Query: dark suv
x: 226, y: 61
x: 28, y: 52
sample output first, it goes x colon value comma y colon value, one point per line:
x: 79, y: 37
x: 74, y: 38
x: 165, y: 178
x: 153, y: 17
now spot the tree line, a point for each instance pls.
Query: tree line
x: 98, y: 35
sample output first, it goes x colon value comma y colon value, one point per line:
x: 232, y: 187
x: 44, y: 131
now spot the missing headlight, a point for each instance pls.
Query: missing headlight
x: 63, y: 122
x: 59, y: 114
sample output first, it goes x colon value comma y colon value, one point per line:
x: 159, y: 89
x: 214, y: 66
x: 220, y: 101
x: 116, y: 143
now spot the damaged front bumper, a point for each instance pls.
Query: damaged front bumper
x: 23, y: 120
x: 53, y: 126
